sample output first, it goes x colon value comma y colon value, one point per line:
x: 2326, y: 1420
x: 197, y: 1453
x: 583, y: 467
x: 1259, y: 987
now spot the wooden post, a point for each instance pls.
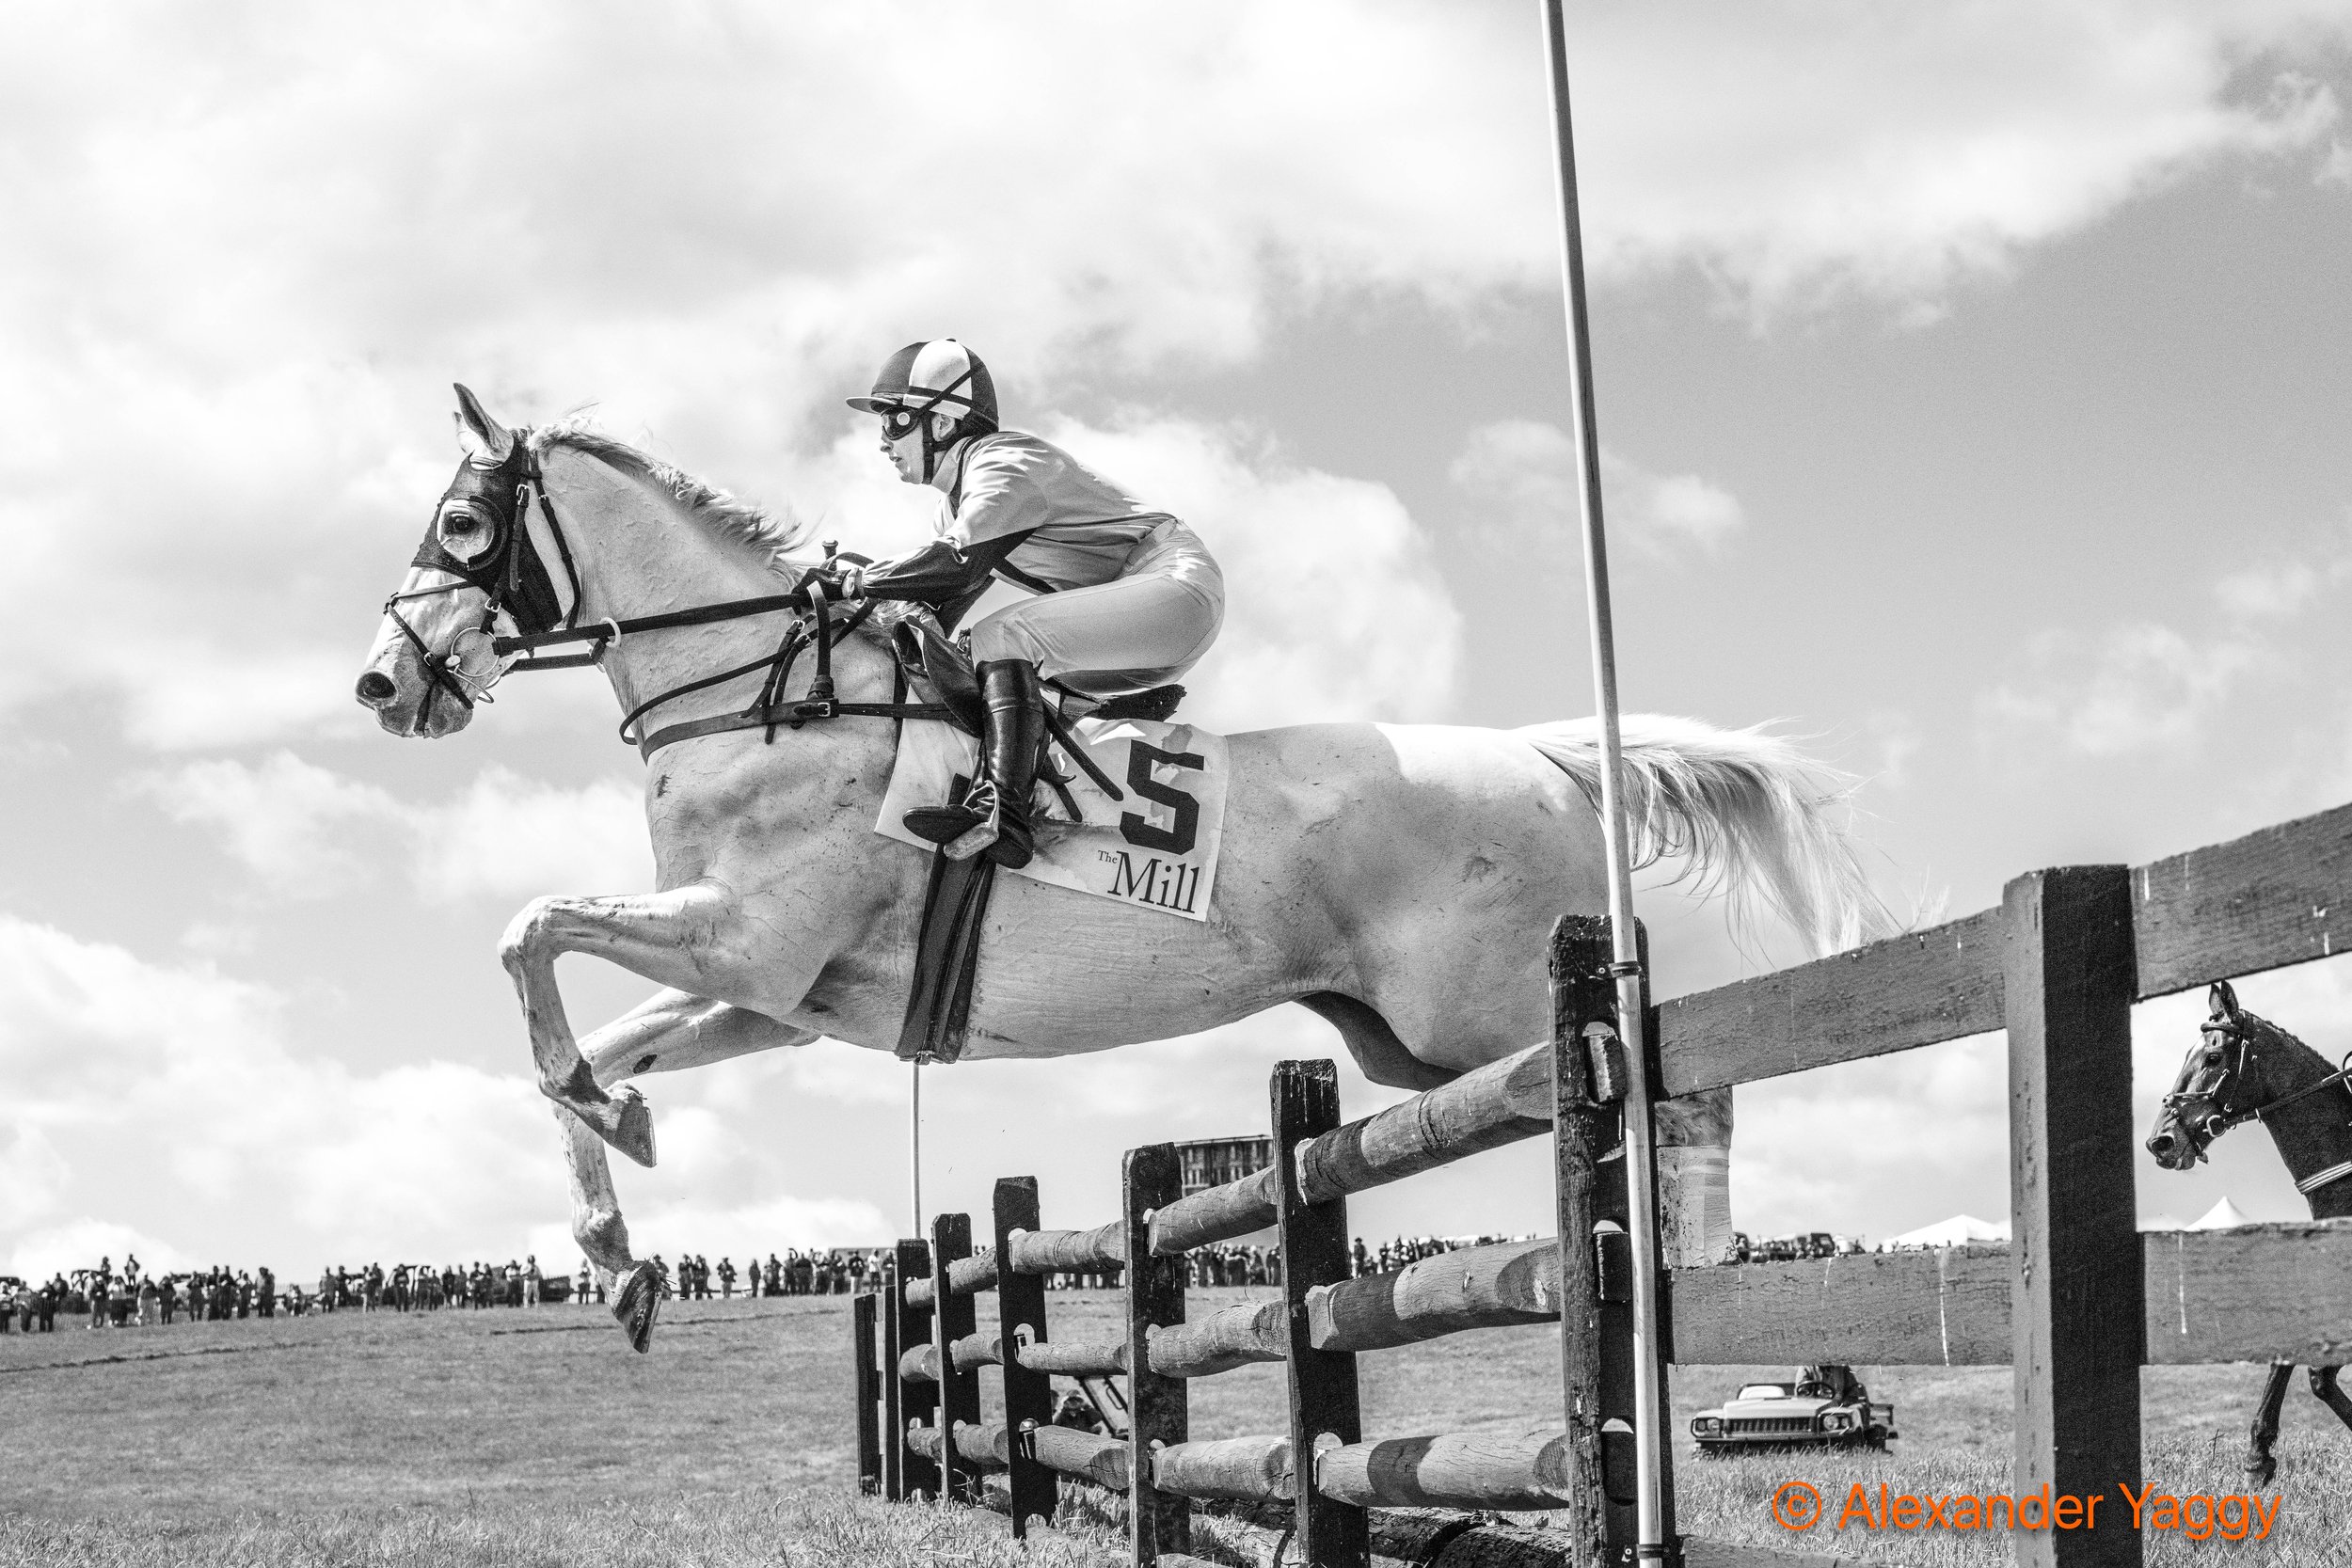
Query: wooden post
x: 1581, y: 993
x: 1620, y: 1366
x: 894, y: 1429
x: 1324, y: 1408
x: 953, y: 1317
x: 866, y: 1393
x: 1028, y: 1395
x: 1159, y: 1410
x: 916, y: 1404
x: 2079, y: 1320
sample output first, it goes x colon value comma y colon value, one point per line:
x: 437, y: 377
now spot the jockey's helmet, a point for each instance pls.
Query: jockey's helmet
x: 940, y: 376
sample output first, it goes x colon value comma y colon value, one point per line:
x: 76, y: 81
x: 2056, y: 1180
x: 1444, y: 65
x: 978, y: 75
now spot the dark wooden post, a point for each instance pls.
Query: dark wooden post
x: 866, y: 1392
x: 1581, y: 993
x: 917, y: 1402
x: 954, y: 1318
x: 1021, y: 1319
x: 1306, y: 1101
x: 2078, y: 1321
x: 1613, y: 1257
x: 1158, y: 1408
x: 894, y: 1433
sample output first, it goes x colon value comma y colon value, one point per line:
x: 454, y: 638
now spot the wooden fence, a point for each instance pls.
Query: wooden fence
x: 2077, y: 1304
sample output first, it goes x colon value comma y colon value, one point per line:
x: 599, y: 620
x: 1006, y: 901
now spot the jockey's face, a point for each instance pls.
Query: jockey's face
x: 902, y: 441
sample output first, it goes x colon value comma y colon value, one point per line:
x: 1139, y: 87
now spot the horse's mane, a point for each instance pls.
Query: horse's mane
x: 730, y: 517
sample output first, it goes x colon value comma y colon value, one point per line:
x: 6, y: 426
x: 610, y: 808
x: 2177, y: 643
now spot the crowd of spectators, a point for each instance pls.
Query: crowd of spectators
x: 107, y: 1296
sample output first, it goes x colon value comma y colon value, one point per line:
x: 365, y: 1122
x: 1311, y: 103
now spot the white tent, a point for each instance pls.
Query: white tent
x: 2164, y: 1221
x: 2223, y: 1215
x: 1955, y: 1231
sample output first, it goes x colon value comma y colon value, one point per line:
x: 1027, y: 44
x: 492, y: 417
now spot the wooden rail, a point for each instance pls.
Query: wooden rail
x: 2261, y: 902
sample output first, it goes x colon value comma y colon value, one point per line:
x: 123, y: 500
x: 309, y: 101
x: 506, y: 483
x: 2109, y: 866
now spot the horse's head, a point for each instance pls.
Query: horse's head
x: 476, y: 574
x: 2222, y: 1083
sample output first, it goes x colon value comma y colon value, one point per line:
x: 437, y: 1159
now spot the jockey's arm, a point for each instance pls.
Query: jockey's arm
x: 939, y: 573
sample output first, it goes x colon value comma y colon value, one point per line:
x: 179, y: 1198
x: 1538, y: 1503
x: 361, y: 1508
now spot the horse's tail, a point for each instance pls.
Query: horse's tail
x: 1753, y: 815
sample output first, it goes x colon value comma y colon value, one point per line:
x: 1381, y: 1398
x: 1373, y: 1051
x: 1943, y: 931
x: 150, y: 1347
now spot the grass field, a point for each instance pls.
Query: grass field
x: 518, y: 1439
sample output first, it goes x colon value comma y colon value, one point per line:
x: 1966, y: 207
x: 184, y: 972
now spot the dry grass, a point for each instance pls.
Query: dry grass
x: 518, y: 1438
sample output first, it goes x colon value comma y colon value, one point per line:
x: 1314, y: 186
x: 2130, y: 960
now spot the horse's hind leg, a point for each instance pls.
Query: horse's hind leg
x: 2335, y: 1399
x: 2260, y: 1463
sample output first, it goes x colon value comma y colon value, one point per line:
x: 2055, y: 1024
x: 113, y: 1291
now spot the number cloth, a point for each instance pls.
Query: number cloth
x: 1157, y: 848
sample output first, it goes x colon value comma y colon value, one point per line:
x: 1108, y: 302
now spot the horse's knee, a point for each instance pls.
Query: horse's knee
x: 2323, y: 1381
x: 526, y: 935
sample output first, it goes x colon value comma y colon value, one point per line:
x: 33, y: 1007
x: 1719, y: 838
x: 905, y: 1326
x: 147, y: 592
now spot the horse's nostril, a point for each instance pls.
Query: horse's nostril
x: 376, y: 689
x: 2161, y: 1146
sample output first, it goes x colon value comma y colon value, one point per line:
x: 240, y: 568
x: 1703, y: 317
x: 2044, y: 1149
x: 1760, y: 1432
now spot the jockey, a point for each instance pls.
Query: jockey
x: 1126, y: 598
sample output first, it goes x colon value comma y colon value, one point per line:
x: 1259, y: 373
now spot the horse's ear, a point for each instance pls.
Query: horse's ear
x: 2221, y: 1001
x: 487, y: 440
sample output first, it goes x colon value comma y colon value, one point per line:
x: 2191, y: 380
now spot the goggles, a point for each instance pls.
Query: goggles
x: 899, y: 421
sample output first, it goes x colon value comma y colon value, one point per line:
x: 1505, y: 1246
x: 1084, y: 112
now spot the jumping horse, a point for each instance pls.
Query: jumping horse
x: 1395, y: 879
x: 2248, y: 1069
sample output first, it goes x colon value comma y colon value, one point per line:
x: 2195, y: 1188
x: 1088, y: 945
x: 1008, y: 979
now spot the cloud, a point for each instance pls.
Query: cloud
x: 1524, y: 471
x: 167, y: 1109
x: 300, y: 828
x: 239, y: 281
x: 2143, y: 686
x: 285, y: 820
x: 2336, y: 168
x: 2138, y: 687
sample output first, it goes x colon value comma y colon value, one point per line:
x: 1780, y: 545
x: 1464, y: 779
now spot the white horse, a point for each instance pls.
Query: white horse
x: 1398, y: 880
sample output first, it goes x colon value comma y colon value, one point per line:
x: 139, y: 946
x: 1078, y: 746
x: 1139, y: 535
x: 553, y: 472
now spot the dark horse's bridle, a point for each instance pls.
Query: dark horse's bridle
x: 506, y: 565
x: 2225, y: 1069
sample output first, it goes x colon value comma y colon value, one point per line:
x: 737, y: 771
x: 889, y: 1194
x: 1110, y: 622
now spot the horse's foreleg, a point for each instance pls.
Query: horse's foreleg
x: 2335, y: 1399
x: 673, y: 938
x: 2260, y: 1463
x: 670, y: 1031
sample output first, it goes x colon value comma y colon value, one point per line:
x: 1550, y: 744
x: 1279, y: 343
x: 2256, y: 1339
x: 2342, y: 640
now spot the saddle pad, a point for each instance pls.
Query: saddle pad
x: 1155, y: 849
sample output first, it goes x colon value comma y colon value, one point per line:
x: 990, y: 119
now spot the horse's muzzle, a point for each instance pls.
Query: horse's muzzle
x: 375, y: 689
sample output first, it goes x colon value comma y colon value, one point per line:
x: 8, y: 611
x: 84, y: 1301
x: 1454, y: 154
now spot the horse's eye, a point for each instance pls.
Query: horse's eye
x: 2213, y: 1057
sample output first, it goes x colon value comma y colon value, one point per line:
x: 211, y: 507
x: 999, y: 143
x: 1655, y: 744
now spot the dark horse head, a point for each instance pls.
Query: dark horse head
x: 2241, y: 1067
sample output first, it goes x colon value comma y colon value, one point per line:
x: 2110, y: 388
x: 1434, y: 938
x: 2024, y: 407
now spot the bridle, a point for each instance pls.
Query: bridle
x: 509, y: 572
x: 513, y: 577
x: 2217, y: 1080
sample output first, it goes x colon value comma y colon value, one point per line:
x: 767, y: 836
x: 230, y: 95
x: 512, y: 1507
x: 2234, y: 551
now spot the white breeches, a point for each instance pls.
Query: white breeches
x: 1143, y: 628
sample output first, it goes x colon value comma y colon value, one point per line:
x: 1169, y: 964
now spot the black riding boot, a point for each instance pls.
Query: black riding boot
x: 1011, y: 744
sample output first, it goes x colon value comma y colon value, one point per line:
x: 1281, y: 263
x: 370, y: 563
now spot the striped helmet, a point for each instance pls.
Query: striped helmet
x: 940, y: 376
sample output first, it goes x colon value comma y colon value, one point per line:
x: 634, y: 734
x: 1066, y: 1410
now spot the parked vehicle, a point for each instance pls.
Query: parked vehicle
x: 1826, y: 1406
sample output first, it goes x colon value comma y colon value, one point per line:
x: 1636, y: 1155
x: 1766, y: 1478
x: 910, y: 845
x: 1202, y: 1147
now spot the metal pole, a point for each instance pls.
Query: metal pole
x: 1641, y: 1168
x: 914, y: 1144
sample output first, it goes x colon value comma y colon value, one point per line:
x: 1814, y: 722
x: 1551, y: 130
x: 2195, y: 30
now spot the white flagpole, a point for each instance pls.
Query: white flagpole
x: 1641, y: 1169
x: 915, y: 1145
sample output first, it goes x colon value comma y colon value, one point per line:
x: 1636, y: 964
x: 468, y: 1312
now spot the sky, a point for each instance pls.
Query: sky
x: 1973, y: 384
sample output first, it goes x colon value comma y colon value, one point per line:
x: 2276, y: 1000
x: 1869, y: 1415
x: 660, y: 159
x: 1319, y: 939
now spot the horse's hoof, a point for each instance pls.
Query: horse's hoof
x: 639, y: 1303
x: 2260, y: 1468
x: 633, y: 1126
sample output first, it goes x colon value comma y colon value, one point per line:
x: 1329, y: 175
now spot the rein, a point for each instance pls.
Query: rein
x: 447, y: 669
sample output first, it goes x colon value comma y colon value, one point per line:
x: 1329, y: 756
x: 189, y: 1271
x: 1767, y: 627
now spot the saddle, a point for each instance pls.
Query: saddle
x: 955, y: 901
